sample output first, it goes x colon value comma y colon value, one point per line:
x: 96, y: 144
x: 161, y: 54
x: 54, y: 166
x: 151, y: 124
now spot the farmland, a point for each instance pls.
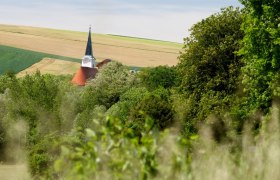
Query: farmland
x: 51, y: 66
x: 16, y: 60
x: 127, y: 50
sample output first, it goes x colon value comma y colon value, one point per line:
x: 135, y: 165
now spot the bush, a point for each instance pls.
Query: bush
x: 154, y: 109
x: 111, y: 81
x: 161, y: 76
x: 108, y: 152
x: 127, y: 101
x: 3, y: 129
x: 42, y: 89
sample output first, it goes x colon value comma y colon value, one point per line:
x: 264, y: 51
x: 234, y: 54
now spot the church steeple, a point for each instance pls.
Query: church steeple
x: 88, y: 60
x: 89, y: 44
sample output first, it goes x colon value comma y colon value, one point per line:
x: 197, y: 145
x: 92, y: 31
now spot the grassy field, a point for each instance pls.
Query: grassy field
x: 51, y: 66
x: 127, y: 50
x: 16, y: 60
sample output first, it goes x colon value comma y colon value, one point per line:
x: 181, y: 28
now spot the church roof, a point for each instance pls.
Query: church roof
x: 83, y: 74
x: 102, y: 63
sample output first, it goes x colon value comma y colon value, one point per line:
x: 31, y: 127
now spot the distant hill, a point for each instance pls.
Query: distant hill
x: 62, y: 43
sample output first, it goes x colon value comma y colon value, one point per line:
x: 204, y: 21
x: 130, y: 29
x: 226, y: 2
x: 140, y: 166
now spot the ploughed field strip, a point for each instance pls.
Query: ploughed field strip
x: 127, y: 50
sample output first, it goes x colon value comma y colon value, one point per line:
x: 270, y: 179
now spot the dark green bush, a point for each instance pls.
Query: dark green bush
x: 155, y: 108
x: 161, y: 76
x: 127, y: 101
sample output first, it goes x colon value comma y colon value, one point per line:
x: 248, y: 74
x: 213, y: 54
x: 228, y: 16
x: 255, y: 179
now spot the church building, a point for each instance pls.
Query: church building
x: 89, y: 66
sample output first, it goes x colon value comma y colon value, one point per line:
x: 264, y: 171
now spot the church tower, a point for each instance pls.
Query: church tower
x: 88, y: 68
x: 88, y: 60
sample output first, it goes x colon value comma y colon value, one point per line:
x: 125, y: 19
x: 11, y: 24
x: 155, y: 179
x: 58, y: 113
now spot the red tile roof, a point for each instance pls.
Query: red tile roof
x: 84, y: 74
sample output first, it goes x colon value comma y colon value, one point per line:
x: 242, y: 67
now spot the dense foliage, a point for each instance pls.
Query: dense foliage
x: 209, y: 67
x: 110, y: 83
x: 161, y: 76
x: 261, y: 52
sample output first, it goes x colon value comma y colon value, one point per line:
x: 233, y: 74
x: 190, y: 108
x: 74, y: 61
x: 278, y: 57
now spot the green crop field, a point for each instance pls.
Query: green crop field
x: 16, y: 60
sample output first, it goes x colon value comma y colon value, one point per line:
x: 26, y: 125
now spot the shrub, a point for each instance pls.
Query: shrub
x: 127, y: 100
x: 111, y: 81
x: 155, y: 108
x: 161, y: 76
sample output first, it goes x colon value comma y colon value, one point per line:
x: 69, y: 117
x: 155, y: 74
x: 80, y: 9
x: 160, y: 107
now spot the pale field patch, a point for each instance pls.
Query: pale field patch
x: 14, y: 172
x: 129, y: 51
x: 51, y: 66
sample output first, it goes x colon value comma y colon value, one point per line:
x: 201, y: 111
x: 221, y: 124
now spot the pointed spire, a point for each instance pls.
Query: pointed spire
x: 89, y: 44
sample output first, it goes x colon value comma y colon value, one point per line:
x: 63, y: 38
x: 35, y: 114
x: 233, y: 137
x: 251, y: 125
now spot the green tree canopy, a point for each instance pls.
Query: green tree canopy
x: 155, y: 108
x: 106, y: 88
x: 161, y: 76
x: 261, y: 51
x: 209, y: 66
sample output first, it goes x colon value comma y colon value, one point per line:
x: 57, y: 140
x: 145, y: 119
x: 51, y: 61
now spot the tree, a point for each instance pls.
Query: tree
x: 161, y: 76
x: 129, y: 99
x: 261, y: 52
x: 111, y: 81
x: 209, y: 66
x: 42, y: 89
x: 155, y: 110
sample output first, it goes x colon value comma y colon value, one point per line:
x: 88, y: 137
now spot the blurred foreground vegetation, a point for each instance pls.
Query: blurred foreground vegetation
x: 213, y: 116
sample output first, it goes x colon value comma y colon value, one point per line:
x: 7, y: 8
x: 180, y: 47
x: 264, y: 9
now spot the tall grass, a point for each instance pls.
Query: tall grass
x: 246, y: 156
x: 258, y: 156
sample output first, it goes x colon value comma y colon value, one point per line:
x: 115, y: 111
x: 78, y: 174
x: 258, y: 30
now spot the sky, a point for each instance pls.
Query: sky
x: 167, y: 20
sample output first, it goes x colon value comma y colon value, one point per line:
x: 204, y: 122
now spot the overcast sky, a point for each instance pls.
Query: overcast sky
x: 155, y: 19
